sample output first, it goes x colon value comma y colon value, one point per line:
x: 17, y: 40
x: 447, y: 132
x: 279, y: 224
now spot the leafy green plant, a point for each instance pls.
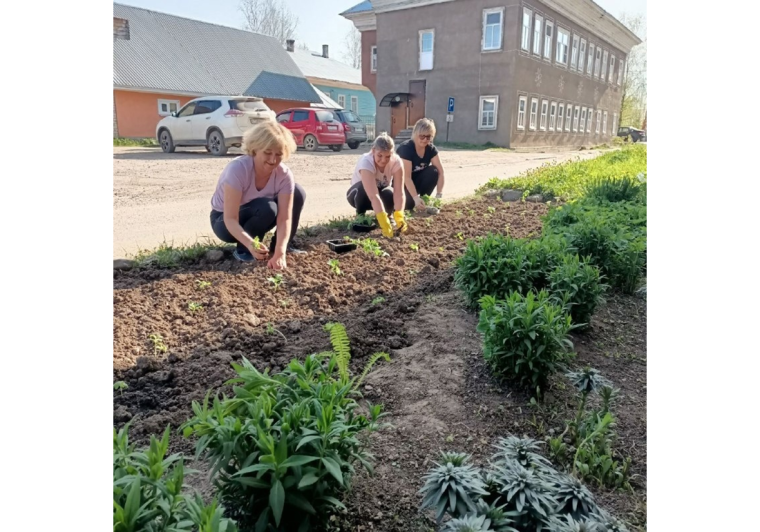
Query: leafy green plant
x: 453, y: 489
x: 285, y: 303
x: 432, y: 202
x: 202, y: 285
x: 469, y: 523
x: 377, y: 300
x: 335, y: 266
x: 414, y: 247
x: 271, y: 331
x: 578, y: 285
x: 159, y: 346
x: 283, y: 448
x: 527, y: 494
x: 362, y: 219
x: 524, y: 451
x: 491, y: 209
x: 194, y: 306
x: 625, y: 188
x: 276, y: 281
x: 459, y: 235
x: 149, y: 491
x: 121, y: 386
x: 368, y: 245
x: 573, y: 497
x: 525, y: 338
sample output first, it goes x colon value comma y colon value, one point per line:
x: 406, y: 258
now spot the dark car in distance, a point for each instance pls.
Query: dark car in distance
x: 634, y: 134
x: 356, y: 130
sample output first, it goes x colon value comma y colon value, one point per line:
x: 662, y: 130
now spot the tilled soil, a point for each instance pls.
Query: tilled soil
x: 437, y: 389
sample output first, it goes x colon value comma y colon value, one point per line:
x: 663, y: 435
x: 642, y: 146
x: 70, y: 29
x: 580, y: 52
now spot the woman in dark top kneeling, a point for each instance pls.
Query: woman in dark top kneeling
x: 423, y: 170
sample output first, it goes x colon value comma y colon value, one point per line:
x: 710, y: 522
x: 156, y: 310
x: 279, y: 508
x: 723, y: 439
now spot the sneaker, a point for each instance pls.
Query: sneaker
x: 243, y: 256
x: 295, y: 251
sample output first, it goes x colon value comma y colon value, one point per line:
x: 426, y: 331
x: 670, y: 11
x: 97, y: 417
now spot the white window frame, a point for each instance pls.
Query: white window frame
x: 611, y: 79
x: 605, y: 59
x: 582, y: 55
x: 621, y: 72
x: 527, y: 31
x: 495, y: 98
x: 342, y: 100
x: 538, y: 20
x: 614, y: 124
x: 168, y: 103
x: 432, y: 50
x: 598, y: 120
x: 544, y: 119
x: 560, y: 116
x: 588, y: 120
x: 552, y: 115
x: 582, y: 124
x: 576, y: 116
x: 548, y: 40
x: 355, y: 104
x: 597, y: 62
x: 373, y: 59
x: 562, y: 46
x: 521, y: 113
x: 486, y: 12
x: 568, y: 116
x: 533, y: 117
x: 574, y: 52
x: 604, y: 123
x: 590, y: 62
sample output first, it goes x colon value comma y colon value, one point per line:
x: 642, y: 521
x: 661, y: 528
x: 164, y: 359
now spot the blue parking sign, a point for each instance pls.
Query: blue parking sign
x: 451, y: 105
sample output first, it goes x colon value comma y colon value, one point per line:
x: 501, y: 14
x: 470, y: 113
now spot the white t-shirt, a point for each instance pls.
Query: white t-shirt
x: 384, y: 178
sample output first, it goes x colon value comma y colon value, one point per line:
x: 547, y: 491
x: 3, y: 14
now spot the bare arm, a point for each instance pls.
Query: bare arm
x: 370, y: 187
x: 284, y: 225
x: 399, y: 198
x: 436, y: 161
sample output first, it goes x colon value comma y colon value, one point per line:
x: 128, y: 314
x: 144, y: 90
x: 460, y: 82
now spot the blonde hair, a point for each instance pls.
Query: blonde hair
x: 383, y: 142
x: 269, y: 135
x: 424, y: 126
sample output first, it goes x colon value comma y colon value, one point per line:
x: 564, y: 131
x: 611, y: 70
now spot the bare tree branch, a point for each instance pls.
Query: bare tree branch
x: 352, y: 48
x: 269, y: 17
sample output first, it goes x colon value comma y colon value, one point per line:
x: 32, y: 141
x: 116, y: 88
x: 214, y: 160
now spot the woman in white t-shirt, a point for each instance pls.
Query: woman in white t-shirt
x: 378, y: 184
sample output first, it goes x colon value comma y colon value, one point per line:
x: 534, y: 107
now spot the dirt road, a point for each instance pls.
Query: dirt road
x: 160, y: 196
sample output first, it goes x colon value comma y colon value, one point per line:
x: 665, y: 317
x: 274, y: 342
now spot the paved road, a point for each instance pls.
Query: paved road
x: 160, y: 196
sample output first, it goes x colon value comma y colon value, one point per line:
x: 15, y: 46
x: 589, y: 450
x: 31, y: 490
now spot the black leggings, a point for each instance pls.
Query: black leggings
x: 258, y: 217
x: 425, y: 181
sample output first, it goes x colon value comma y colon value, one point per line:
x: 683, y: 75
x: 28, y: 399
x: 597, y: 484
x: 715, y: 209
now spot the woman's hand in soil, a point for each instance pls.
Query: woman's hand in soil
x: 401, y: 224
x: 277, y: 262
x: 260, y: 251
x: 385, y: 224
x: 419, y: 203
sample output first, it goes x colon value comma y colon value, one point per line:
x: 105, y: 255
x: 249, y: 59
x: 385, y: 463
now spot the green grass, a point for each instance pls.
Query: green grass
x: 568, y: 181
x: 168, y: 255
x: 134, y: 142
x: 488, y: 146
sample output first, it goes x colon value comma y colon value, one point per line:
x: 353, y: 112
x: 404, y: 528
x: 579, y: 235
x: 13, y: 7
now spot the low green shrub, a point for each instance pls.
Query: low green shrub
x: 149, y: 491
x: 525, y: 338
x: 577, y: 284
x: 626, y: 188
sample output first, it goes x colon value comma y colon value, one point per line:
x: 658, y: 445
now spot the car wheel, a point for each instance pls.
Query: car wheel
x: 166, y: 141
x: 215, y: 143
x: 310, y: 143
x: 353, y: 145
x: 336, y: 147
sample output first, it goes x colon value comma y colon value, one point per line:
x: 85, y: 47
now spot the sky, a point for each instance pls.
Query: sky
x: 315, y: 26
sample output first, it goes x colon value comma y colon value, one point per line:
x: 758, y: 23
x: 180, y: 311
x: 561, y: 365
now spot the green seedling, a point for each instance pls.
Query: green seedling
x: 272, y: 331
x: 471, y: 212
x: 368, y: 245
x: 158, y: 343
x: 194, y: 307
x: 414, y: 247
x: 378, y: 300
x: 428, y: 221
x: 460, y: 235
x: 440, y: 249
x: 413, y: 271
x: 276, y: 281
x: 491, y: 209
x: 285, y: 303
x: 121, y: 386
x: 458, y: 214
x: 202, y: 285
x: 335, y: 266
x: 432, y: 202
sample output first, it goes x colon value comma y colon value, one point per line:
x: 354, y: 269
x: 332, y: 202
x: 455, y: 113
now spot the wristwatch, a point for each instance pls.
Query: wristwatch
x: 439, y: 195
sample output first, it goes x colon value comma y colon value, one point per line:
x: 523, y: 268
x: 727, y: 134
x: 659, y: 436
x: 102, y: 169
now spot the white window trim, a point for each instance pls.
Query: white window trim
x: 525, y: 47
x: 342, y: 100
x: 567, y: 47
x: 523, y: 99
x: 582, y: 123
x: 560, y: 120
x: 621, y: 72
x: 552, y: 115
x: 611, y: 79
x: 598, y: 121
x: 582, y: 51
x: 543, y: 121
x: 576, y: 118
x: 605, y: 61
x: 540, y: 19
x: 597, y: 62
x: 355, y: 99
x: 614, y: 124
x: 548, y: 53
x: 533, y: 117
x: 589, y: 118
x: 495, y: 112
x: 168, y: 106
x: 604, y: 123
x: 486, y: 12
x: 568, y: 117
x: 420, y: 52
x: 373, y: 59
x: 590, y: 62
x: 575, y: 45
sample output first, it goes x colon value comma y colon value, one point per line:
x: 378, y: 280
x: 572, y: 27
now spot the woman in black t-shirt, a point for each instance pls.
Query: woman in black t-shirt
x: 423, y: 170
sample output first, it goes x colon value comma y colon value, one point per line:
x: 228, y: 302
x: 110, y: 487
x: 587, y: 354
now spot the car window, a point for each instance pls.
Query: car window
x: 325, y: 116
x: 350, y: 116
x: 207, y: 106
x: 187, y: 110
x: 248, y: 104
x: 300, y: 116
x: 283, y: 117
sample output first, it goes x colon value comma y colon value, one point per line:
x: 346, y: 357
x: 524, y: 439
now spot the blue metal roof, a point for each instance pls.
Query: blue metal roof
x: 359, y: 8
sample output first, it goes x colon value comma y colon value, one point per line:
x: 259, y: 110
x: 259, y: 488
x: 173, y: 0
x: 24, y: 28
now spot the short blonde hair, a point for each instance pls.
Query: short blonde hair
x: 383, y: 142
x: 269, y: 135
x: 424, y: 126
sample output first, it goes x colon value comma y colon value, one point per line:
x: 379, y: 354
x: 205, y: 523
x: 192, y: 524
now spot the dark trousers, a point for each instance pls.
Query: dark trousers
x: 425, y: 181
x: 258, y: 217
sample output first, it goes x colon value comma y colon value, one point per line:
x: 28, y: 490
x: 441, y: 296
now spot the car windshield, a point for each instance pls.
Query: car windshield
x: 325, y: 116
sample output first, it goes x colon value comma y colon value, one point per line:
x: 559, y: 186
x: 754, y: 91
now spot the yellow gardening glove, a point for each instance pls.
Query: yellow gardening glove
x: 385, y: 224
x: 401, y: 224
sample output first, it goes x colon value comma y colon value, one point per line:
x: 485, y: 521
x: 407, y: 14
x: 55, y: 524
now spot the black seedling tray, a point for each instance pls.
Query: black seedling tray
x: 340, y: 246
x: 362, y: 228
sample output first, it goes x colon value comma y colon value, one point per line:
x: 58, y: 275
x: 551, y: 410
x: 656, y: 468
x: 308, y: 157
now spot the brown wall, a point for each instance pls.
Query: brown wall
x: 369, y: 78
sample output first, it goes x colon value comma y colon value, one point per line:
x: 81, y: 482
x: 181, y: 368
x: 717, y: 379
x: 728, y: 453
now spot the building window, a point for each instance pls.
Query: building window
x: 537, y: 27
x: 522, y: 103
x: 621, y: 70
x: 590, y: 64
x: 167, y: 107
x: 582, y: 126
x: 605, y: 57
x: 576, y: 113
x: 548, y: 39
x: 493, y: 20
x: 488, y: 110
x: 427, y: 38
x: 588, y: 120
x: 612, y: 69
x: 373, y: 60
x: 582, y: 56
x: 604, y: 124
x: 563, y: 40
x: 355, y: 104
x: 614, y: 124
x: 544, y: 115
x: 568, y: 117
x: 598, y: 121
x: 525, y: 41
x: 342, y: 100
x: 597, y: 62
x: 533, y: 113
x: 552, y: 115
x: 574, y: 54
x: 560, y: 116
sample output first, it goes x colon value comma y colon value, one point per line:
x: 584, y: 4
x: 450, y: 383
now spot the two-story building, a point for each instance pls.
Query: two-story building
x: 523, y: 74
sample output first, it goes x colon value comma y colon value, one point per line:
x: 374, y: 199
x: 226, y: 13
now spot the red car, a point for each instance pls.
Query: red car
x: 313, y: 128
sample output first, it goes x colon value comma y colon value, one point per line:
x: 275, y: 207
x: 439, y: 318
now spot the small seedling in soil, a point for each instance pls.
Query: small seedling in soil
x: 158, y: 343
x: 492, y: 209
x: 428, y: 221
x: 432, y: 202
x: 285, y: 303
x: 413, y: 271
x: 272, y: 331
x: 471, y: 212
x: 378, y: 300
x: 335, y: 266
x: 121, y: 386
x: 202, y: 285
x: 449, y: 438
x: 460, y: 235
x: 459, y: 214
x: 368, y: 245
x: 194, y: 307
x: 276, y: 281
x: 414, y: 247
x: 440, y: 249
x: 430, y: 298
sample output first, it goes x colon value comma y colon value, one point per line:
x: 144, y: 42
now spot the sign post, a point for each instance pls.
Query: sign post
x: 449, y: 116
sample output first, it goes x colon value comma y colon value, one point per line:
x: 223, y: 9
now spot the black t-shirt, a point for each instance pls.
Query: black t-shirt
x: 407, y: 151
